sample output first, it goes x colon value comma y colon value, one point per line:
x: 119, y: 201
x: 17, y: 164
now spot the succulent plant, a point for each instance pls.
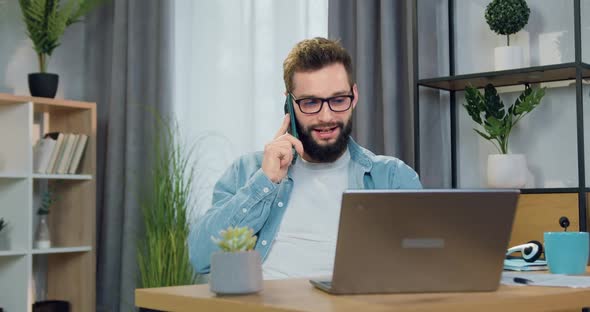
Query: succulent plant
x: 236, y: 239
x: 3, y: 224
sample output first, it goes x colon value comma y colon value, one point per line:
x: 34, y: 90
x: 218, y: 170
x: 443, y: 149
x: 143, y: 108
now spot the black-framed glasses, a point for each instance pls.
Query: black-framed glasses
x: 312, y: 105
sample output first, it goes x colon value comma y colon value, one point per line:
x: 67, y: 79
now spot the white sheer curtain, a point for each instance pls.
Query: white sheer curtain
x: 228, y: 94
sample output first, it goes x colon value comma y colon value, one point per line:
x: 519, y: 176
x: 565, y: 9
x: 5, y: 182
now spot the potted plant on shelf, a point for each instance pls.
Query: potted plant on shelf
x: 42, y: 235
x: 237, y: 268
x: 507, y: 17
x: 487, y: 109
x: 4, y: 239
x: 46, y: 21
x: 163, y: 251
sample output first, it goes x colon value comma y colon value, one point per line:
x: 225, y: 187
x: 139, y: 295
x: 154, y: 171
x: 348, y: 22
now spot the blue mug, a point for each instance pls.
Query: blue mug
x: 567, y: 252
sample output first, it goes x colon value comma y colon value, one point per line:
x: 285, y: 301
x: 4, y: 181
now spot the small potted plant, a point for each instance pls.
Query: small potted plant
x: 507, y: 17
x: 46, y: 22
x: 504, y: 170
x: 237, y: 268
x: 42, y: 235
x: 4, y: 239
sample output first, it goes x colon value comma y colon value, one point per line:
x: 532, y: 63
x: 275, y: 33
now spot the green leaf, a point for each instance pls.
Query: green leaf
x: 494, y: 107
x: 475, y: 104
x: 485, y: 136
x: 506, y: 17
x: 47, y: 20
x: 494, y: 127
x: 528, y: 100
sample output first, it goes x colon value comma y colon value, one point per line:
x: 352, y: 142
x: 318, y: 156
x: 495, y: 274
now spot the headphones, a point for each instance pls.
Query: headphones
x: 530, y: 251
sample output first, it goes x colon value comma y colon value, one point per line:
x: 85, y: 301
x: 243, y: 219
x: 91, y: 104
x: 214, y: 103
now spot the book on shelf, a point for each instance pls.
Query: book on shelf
x: 42, y: 154
x: 59, y: 153
x: 79, y: 151
x: 66, y: 157
x: 58, y: 137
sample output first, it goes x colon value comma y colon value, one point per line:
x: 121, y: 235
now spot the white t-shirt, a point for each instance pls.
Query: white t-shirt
x: 305, y: 244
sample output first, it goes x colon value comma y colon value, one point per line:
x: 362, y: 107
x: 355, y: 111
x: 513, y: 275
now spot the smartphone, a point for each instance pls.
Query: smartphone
x: 292, y: 127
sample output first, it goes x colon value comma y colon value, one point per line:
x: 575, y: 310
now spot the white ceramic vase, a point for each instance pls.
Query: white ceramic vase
x: 235, y: 273
x: 507, y: 171
x: 508, y: 57
x: 42, y: 236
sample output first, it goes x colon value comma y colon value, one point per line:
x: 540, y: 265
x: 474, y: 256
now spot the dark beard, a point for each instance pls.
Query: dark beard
x: 325, y: 153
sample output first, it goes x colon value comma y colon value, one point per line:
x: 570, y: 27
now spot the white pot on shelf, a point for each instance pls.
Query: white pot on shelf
x: 508, y: 57
x: 507, y: 171
x: 42, y: 236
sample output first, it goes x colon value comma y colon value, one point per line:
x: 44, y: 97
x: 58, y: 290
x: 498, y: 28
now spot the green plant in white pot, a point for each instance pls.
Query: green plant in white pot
x: 507, y: 17
x: 237, y: 268
x: 46, y: 21
x: 504, y: 170
x: 42, y: 234
x: 4, y: 239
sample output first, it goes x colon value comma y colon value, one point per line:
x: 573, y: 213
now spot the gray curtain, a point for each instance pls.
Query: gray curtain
x: 129, y: 64
x: 377, y: 33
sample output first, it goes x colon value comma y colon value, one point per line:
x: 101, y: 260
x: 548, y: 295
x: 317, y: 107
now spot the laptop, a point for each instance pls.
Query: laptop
x: 414, y: 241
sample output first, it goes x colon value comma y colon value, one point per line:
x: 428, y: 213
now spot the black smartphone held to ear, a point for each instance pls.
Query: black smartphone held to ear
x: 292, y: 127
x: 291, y: 111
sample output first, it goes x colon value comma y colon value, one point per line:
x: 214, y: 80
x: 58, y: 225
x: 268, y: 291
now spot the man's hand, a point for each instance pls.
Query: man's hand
x: 278, y: 154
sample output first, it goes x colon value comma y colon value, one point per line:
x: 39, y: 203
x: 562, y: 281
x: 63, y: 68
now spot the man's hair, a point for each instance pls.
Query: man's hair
x: 314, y: 54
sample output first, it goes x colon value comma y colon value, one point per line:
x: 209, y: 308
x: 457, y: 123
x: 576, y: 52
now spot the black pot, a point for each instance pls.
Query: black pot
x: 51, y: 306
x: 43, y: 84
x: 148, y: 310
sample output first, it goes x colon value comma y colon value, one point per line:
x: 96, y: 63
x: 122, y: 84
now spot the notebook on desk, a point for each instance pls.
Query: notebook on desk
x: 421, y: 241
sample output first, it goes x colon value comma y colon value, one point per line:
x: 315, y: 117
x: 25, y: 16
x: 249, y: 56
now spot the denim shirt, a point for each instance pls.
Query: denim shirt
x: 244, y: 196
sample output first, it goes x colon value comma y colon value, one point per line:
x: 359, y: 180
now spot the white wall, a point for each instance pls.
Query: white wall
x: 18, y: 59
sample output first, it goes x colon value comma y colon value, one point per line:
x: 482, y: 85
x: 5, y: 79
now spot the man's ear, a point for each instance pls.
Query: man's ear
x: 355, y: 91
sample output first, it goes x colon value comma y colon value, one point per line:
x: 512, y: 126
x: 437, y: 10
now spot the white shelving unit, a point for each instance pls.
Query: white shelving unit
x: 70, y: 263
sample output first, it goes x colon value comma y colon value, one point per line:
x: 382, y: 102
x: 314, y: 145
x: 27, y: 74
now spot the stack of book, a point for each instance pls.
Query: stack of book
x: 59, y: 153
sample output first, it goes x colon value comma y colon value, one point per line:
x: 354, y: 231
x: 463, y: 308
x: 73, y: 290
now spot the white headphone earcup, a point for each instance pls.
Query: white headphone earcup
x: 530, y: 251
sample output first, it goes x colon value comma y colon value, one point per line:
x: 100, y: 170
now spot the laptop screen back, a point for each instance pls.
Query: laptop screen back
x: 422, y: 240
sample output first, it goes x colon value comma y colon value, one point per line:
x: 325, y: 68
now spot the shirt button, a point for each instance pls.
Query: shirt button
x: 280, y: 204
x: 244, y: 210
x: 266, y: 190
x: 263, y: 243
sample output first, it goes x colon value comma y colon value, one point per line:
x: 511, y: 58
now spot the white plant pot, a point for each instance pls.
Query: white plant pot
x: 508, y: 57
x: 235, y: 273
x: 507, y: 171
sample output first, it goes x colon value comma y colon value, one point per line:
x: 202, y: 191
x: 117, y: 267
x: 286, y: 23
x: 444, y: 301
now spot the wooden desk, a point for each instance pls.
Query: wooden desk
x: 299, y: 295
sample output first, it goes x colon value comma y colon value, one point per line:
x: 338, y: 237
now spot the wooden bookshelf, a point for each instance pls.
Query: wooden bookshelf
x: 71, y: 262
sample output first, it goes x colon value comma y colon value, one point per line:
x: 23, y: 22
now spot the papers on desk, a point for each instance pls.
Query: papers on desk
x: 521, y: 265
x: 545, y: 279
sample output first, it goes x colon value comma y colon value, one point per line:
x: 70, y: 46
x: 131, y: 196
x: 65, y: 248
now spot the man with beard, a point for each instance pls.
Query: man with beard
x: 294, y: 207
